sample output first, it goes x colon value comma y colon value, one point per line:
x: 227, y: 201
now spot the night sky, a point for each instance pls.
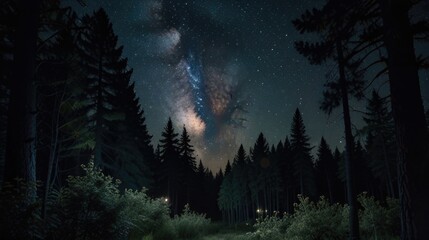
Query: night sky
x: 227, y: 69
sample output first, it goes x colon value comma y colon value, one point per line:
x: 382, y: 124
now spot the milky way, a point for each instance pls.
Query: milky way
x: 204, y: 93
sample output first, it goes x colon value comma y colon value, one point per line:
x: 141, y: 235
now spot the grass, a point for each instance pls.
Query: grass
x: 224, y: 232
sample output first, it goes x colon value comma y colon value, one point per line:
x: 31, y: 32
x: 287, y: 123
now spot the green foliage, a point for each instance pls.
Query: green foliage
x: 190, y: 225
x: 318, y: 220
x: 270, y: 228
x: 148, y: 217
x: 19, y: 218
x: 376, y: 221
x: 90, y: 207
x: 321, y: 220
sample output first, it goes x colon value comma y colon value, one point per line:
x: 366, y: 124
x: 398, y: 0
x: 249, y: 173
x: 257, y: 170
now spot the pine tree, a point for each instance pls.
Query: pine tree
x: 227, y: 168
x: 366, y: 181
x: 217, y: 183
x: 342, y: 189
x: 287, y: 172
x: 62, y: 135
x: 260, y: 171
x: 240, y: 183
x: 301, y: 155
x: 200, y: 196
x: 155, y: 166
x: 105, y: 69
x: 219, y: 177
x: 275, y: 177
x: 134, y: 151
x: 187, y: 151
x: 187, y: 159
x: 326, y: 170
x: 171, y: 168
x: 336, y: 23
x: 210, y: 194
x: 225, y: 199
x: 381, y: 142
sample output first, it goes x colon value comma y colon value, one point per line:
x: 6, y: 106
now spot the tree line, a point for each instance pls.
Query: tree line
x: 267, y: 180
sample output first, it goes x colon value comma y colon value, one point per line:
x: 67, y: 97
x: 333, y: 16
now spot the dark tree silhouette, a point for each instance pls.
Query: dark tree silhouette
x: 286, y: 169
x: 260, y: 170
x: 327, y: 168
x: 240, y: 184
x: 133, y: 148
x: 366, y: 181
x: 227, y: 168
x: 234, y: 194
x: 22, y: 110
x: 171, y: 168
x: 335, y: 23
x: 57, y: 76
x: 187, y: 159
x: 105, y: 69
x: 380, y: 142
x: 301, y: 155
x: 339, y: 160
x: 411, y: 128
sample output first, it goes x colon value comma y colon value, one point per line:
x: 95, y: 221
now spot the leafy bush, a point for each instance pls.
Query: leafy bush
x: 321, y: 220
x: 190, y: 225
x: 19, y: 219
x: 318, y: 220
x: 91, y: 208
x: 376, y: 221
x: 270, y: 227
x: 148, y: 217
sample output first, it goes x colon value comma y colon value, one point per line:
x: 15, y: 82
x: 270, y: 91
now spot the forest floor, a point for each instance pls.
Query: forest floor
x: 224, y: 236
x: 229, y: 233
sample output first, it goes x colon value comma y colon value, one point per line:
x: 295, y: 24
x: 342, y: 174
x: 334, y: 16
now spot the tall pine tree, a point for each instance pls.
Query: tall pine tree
x: 301, y: 155
x: 187, y: 160
x: 260, y: 170
x: 380, y: 143
x: 327, y: 172
x: 170, y: 167
x: 105, y: 69
x: 336, y: 24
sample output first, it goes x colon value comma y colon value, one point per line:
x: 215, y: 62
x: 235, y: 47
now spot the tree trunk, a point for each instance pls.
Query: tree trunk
x: 21, y: 131
x: 391, y: 191
x: 410, y: 124
x: 350, y: 178
x: 99, y: 116
x: 53, y: 153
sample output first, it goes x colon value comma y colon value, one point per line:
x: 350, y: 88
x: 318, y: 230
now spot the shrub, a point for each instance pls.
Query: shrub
x: 91, y: 208
x: 376, y: 221
x: 270, y: 227
x: 148, y: 217
x: 190, y: 225
x: 321, y: 220
x: 19, y: 219
x: 318, y: 220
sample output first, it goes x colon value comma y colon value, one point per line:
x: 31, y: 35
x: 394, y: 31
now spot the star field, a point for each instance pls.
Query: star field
x: 225, y: 69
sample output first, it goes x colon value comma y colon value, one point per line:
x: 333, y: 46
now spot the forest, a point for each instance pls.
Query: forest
x: 77, y: 160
